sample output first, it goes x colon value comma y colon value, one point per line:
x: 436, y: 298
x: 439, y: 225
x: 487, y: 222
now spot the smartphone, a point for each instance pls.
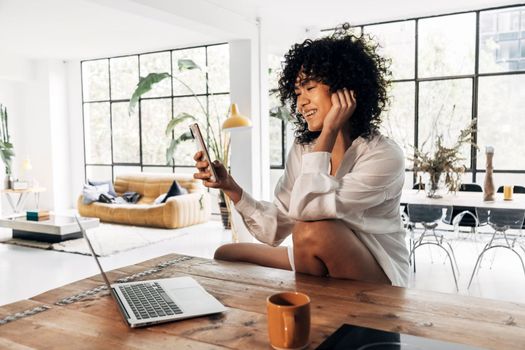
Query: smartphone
x: 201, y: 146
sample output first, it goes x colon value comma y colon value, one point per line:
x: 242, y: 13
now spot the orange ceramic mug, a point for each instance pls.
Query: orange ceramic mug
x: 288, y: 320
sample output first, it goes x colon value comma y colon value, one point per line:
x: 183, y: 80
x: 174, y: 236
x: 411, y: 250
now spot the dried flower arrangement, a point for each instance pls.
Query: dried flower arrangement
x: 445, y: 160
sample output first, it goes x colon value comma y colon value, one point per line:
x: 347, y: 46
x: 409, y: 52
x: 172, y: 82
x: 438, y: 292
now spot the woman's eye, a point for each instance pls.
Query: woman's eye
x: 310, y: 87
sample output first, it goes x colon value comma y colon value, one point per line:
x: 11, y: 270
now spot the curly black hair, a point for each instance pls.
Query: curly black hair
x: 342, y: 60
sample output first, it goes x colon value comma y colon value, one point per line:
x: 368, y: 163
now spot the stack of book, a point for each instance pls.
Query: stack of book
x: 37, y: 215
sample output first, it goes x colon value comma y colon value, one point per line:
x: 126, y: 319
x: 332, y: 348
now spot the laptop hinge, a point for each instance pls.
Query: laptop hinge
x: 121, y: 305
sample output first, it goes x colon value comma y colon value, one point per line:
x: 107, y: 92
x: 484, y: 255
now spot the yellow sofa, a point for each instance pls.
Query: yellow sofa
x: 179, y: 211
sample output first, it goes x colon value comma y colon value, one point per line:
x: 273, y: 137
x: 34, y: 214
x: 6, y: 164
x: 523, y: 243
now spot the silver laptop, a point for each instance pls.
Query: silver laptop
x: 157, y: 301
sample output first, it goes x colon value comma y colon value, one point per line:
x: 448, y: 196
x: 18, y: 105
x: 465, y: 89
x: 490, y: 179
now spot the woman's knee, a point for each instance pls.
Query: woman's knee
x: 227, y: 252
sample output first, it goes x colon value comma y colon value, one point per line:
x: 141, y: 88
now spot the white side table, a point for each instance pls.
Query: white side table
x: 17, y: 198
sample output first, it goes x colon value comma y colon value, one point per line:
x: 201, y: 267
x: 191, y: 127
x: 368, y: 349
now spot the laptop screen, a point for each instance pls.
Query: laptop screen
x: 84, y: 234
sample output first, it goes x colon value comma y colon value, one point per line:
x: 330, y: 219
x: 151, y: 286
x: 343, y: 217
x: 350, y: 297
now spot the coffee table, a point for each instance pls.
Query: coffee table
x: 57, y: 229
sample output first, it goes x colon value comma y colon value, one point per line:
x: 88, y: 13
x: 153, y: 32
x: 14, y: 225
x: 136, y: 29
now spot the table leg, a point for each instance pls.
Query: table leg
x: 21, y: 201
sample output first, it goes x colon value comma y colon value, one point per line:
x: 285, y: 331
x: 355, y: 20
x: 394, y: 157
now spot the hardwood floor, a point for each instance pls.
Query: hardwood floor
x: 25, y: 272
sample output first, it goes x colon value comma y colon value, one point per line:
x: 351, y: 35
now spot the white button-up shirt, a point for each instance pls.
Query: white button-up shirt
x: 364, y: 194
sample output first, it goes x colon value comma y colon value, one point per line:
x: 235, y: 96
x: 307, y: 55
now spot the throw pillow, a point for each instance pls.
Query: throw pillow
x: 91, y: 193
x: 111, y: 190
x: 160, y: 199
x: 175, y: 190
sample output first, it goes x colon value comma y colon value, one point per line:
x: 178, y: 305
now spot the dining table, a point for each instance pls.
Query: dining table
x: 83, y: 315
x: 463, y: 199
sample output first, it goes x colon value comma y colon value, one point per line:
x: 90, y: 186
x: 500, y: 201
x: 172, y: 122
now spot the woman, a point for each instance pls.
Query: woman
x: 339, y: 195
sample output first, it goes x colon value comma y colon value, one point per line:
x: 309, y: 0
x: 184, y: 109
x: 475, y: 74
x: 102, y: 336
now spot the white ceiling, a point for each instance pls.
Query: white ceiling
x: 68, y: 29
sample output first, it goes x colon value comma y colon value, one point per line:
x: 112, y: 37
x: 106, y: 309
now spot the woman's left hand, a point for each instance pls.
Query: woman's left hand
x: 343, y: 106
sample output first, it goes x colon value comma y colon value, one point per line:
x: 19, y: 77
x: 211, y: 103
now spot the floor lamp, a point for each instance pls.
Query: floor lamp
x: 235, y: 121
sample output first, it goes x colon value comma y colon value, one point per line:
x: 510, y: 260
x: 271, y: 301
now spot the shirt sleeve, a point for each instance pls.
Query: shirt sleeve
x: 316, y: 195
x: 269, y: 222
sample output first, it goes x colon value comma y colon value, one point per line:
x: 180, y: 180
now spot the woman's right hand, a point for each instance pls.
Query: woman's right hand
x: 224, y: 180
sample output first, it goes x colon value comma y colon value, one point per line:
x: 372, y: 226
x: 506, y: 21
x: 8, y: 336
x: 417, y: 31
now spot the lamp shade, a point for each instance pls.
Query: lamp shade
x: 236, y: 120
x: 26, y: 165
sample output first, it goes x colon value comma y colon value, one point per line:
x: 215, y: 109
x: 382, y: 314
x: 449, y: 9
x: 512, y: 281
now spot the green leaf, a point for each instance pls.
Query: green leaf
x: 145, y: 84
x: 173, y: 146
x: 186, y: 64
x: 177, y: 120
x: 280, y: 112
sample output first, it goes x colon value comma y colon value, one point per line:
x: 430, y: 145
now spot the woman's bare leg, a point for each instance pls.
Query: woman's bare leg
x: 255, y: 253
x: 329, y: 247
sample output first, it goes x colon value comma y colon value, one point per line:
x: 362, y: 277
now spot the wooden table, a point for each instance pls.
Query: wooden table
x: 464, y: 199
x: 95, y: 323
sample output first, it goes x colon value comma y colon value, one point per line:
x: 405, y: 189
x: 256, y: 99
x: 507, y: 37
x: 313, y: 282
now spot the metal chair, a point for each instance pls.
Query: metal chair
x: 429, y: 216
x: 501, y: 220
x: 465, y: 216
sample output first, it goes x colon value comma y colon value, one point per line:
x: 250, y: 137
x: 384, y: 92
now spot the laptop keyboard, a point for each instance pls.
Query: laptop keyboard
x: 149, y: 300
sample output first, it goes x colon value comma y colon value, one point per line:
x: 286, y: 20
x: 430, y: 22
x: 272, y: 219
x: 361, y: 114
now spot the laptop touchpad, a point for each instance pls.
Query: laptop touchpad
x: 191, y: 299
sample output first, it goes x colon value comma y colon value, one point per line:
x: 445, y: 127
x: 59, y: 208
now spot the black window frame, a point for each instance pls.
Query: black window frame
x: 171, y: 97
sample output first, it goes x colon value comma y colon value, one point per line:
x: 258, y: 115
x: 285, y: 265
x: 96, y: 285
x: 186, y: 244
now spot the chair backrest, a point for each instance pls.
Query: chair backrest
x: 426, y: 213
x: 470, y: 188
x: 517, y: 189
x: 502, y: 218
x: 418, y: 186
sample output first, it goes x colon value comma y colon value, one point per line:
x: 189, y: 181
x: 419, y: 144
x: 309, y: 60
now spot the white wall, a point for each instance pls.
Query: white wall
x: 36, y: 95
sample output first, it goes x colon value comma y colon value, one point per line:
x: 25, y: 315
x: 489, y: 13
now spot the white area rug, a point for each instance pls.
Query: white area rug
x: 108, y: 239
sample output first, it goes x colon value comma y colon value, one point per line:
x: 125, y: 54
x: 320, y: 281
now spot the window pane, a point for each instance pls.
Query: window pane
x: 157, y: 169
x: 274, y: 71
x: 446, y: 45
x: 124, y: 76
x: 95, y: 80
x: 219, y: 110
x: 155, y: 116
x: 397, y: 42
x: 398, y: 121
x: 186, y: 150
x: 157, y: 63
x: 445, y: 108
x: 219, y: 68
x: 499, y: 40
x: 276, y: 139
x: 97, y: 133
x: 98, y: 173
x: 195, y: 78
x: 120, y: 170
x: 501, y: 122
x: 126, y: 148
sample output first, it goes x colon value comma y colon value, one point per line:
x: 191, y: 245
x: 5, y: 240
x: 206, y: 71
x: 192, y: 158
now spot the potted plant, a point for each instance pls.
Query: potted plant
x: 6, y: 147
x: 443, y: 160
x: 219, y: 142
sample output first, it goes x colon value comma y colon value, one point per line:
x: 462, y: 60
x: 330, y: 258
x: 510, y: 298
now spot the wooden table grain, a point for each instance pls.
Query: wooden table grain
x: 95, y: 323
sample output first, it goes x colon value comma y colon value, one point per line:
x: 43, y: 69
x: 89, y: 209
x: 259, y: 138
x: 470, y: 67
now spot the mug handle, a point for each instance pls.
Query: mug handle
x: 289, y: 328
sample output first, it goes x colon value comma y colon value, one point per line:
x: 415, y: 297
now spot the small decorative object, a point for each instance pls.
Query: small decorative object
x: 445, y: 161
x: 20, y: 185
x: 488, y: 185
x: 6, y: 148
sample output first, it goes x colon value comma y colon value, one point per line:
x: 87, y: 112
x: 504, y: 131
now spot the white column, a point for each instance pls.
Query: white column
x: 249, y: 147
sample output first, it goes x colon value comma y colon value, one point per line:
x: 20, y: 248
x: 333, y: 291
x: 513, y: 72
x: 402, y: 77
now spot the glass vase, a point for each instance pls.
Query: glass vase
x: 434, y: 185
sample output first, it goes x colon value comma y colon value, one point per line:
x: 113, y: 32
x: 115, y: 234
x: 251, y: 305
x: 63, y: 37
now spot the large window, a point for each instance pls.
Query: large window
x: 116, y: 142
x: 451, y: 69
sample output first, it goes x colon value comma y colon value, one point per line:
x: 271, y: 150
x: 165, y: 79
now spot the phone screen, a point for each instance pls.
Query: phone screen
x: 201, y: 146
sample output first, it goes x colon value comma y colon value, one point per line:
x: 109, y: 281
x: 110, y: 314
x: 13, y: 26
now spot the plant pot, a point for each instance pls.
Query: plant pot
x: 225, y: 215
